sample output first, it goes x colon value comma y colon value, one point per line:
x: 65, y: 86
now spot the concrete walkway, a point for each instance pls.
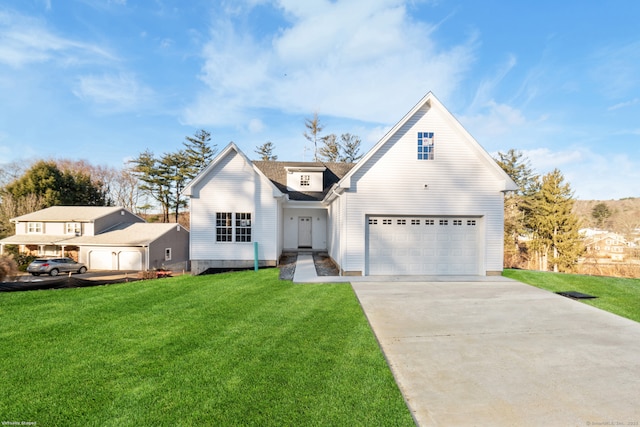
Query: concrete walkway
x: 489, y: 351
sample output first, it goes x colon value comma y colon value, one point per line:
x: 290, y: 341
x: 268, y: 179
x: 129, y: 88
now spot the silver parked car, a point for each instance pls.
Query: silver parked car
x: 55, y: 266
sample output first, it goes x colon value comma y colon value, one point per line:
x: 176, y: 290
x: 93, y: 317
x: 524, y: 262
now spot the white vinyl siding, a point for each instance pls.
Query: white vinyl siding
x: 233, y: 186
x: 458, y: 182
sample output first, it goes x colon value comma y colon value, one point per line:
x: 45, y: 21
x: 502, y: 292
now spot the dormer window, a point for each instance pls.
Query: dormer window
x: 306, y: 178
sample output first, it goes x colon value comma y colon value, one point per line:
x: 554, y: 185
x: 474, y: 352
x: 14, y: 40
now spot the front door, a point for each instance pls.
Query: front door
x: 304, y: 232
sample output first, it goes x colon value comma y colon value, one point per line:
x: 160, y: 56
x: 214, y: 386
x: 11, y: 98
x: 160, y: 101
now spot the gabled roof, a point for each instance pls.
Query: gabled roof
x: 126, y: 234
x: 69, y: 214
x: 123, y: 234
x: 276, y: 172
x: 231, y: 147
x: 430, y: 100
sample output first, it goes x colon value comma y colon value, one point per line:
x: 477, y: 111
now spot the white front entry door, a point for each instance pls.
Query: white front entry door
x: 304, y: 232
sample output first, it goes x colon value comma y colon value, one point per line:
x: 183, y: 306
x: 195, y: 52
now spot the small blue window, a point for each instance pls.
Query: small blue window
x: 425, y: 146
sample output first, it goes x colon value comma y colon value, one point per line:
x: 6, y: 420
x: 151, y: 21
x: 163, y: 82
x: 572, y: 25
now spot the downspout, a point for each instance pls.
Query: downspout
x: 333, y: 191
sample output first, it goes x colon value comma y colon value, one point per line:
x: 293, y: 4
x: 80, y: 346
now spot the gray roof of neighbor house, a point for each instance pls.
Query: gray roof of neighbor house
x: 69, y: 213
x: 126, y: 234
x: 123, y: 234
x: 277, y: 173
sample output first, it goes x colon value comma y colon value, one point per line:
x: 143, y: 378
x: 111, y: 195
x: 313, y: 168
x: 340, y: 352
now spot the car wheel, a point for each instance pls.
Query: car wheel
x: 82, y: 270
x: 36, y: 274
x: 54, y: 272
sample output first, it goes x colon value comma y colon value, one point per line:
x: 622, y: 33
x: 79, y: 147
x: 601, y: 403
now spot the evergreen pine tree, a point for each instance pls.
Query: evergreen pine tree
x: 554, y: 228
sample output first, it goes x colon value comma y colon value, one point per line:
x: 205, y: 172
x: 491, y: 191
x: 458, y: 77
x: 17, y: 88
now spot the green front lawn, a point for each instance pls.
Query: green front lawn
x: 232, y: 349
x: 616, y: 295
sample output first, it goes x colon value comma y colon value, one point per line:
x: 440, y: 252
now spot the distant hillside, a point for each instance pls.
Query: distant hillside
x: 625, y: 214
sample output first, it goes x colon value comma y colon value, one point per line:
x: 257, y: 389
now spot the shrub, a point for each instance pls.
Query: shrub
x: 8, y: 267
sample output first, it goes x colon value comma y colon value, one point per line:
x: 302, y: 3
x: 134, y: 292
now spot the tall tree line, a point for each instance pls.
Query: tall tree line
x: 345, y: 148
x: 541, y: 231
x: 164, y: 178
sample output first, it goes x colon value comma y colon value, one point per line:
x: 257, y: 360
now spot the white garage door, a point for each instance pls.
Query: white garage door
x: 130, y: 260
x: 423, y: 245
x: 100, y: 260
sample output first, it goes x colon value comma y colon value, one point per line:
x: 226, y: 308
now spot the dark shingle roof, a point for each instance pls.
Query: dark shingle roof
x: 277, y: 173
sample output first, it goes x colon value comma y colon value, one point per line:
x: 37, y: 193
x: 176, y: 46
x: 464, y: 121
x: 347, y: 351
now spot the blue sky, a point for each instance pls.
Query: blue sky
x: 103, y: 80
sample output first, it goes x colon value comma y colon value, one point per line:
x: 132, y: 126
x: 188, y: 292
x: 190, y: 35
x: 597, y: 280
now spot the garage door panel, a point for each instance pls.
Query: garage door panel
x: 130, y: 260
x: 100, y: 260
x: 422, y: 246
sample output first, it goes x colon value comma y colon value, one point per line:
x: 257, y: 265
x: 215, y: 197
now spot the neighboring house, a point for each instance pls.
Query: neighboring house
x: 606, y: 245
x: 104, y: 238
x: 427, y: 199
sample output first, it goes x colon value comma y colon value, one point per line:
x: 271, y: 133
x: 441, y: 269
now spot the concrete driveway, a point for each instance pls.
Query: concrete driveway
x: 496, y: 352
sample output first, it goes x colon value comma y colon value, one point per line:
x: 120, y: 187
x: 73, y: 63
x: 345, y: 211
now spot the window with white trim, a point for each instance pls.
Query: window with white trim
x: 305, y: 180
x: 73, y: 228
x: 457, y: 222
x: 167, y: 254
x: 444, y: 222
x: 243, y: 227
x: 34, y: 227
x: 471, y: 222
x: 429, y: 222
x: 223, y: 227
x: 425, y: 146
x: 373, y: 221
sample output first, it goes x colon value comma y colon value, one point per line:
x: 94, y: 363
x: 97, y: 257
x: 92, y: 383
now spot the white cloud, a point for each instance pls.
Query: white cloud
x: 25, y: 40
x: 591, y: 175
x: 617, y: 69
x: 113, y: 92
x: 256, y: 126
x: 332, y: 58
x: 626, y: 104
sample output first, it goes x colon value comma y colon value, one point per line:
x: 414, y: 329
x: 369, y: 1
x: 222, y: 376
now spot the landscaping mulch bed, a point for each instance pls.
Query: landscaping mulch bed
x: 324, y: 265
x: 287, y: 265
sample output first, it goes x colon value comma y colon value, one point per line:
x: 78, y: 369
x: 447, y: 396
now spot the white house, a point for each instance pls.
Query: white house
x: 102, y: 237
x: 426, y: 199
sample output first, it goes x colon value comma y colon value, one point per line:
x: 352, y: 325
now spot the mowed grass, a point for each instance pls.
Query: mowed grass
x: 233, y: 349
x: 616, y: 295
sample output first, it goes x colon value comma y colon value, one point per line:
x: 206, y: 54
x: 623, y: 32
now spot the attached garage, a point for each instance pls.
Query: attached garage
x: 421, y: 245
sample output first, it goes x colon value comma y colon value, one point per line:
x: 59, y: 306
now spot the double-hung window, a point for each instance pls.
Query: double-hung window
x: 34, y: 227
x: 243, y: 227
x: 233, y: 227
x: 223, y: 227
x: 73, y: 228
x: 425, y: 146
